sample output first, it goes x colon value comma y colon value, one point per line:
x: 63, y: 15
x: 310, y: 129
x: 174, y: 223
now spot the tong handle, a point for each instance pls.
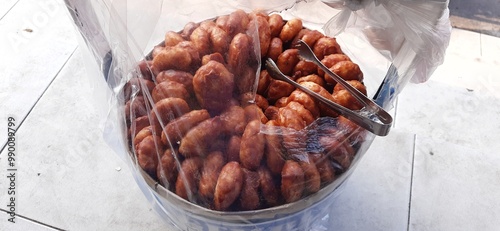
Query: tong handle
x: 306, y: 53
x: 366, y: 121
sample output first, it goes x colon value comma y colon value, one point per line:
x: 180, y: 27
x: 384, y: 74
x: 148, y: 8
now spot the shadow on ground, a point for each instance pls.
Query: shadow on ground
x: 479, y: 15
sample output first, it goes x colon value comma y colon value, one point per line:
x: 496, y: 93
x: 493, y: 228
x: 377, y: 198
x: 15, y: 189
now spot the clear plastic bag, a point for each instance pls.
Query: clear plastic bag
x: 154, y: 134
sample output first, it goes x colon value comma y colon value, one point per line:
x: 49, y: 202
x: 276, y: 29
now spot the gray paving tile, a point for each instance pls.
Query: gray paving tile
x: 448, y: 114
x: 377, y: 194
x: 466, y: 43
x: 20, y: 224
x: 67, y: 175
x: 31, y: 59
x: 471, y: 62
x: 490, y: 48
x: 456, y: 116
x: 455, y: 187
x: 6, y: 6
x: 475, y: 73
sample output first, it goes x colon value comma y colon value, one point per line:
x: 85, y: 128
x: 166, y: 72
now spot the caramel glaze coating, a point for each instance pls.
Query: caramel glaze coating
x: 312, y: 78
x: 292, y: 181
x: 233, y: 120
x: 157, y: 50
x: 264, y: 80
x: 271, y: 113
x: 275, y: 49
x: 236, y: 22
x: 228, y: 186
x: 325, y: 168
x: 264, y: 32
x: 261, y: 102
x: 201, y: 40
x: 135, y: 107
x: 208, y: 25
x: 329, y: 61
x: 167, y: 109
x: 338, y: 149
x: 136, y: 87
x: 186, y: 185
x: 305, y: 114
x: 222, y: 22
x: 269, y: 187
x: 188, y: 30
x: 291, y: 28
x: 214, y: 56
x: 173, y: 58
x: 311, y: 37
x: 287, y: 61
x: 193, y: 52
x: 251, y: 98
x: 249, y: 196
x: 299, y: 36
x: 325, y: 110
x: 348, y: 127
x: 275, y: 153
x: 245, y: 79
x: 169, y: 89
x: 347, y: 70
x: 252, y: 146
x: 198, y: 140
x: 276, y: 24
x: 281, y: 102
x: 143, y: 133
x: 254, y: 112
x: 233, y: 149
x: 312, y: 177
x: 218, y: 145
x: 145, y: 68
x: 355, y: 83
x: 326, y: 46
x: 177, y: 128
x: 278, y: 89
x: 303, y: 68
x: 137, y: 125
x: 254, y: 14
x: 290, y: 118
x: 346, y: 99
x: 172, y: 38
x: 148, y: 152
x: 212, y: 166
x: 295, y: 143
x: 167, y: 170
x: 220, y: 40
x: 182, y: 77
x: 213, y: 86
x: 247, y: 98
x: 307, y: 101
x: 239, y: 52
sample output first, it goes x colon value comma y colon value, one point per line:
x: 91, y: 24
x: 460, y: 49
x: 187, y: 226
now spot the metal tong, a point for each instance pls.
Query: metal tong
x: 371, y: 117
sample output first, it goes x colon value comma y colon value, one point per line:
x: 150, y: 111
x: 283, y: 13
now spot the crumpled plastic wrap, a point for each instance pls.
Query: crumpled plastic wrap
x: 413, y: 35
x: 393, y: 42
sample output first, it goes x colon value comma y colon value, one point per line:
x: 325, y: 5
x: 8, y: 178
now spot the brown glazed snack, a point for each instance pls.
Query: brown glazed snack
x: 208, y: 123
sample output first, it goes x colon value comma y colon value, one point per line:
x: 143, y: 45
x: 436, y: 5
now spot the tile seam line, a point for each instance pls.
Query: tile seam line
x: 411, y: 180
x: 481, y: 44
x: 32, y: 220
x: 37, y: 100
x: 9, y: 9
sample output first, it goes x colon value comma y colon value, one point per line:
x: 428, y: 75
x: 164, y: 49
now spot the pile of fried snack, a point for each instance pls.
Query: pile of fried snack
x: 207, y: 121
